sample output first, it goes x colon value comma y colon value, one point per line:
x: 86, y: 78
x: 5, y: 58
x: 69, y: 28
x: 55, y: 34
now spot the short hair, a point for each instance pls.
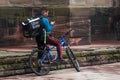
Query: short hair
x: 44, y: 9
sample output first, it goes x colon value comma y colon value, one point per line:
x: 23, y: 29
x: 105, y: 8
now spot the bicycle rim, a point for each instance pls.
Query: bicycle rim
x: 73, y: 59
x: 37, y: 66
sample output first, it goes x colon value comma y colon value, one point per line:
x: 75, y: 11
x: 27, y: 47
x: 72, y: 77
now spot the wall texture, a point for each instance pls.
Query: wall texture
x: 75, y: 14
x: 32, y: 3
x: 37, y: 3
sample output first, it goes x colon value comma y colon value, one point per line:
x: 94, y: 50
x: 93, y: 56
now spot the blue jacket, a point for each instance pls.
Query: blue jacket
x: 46, y: 23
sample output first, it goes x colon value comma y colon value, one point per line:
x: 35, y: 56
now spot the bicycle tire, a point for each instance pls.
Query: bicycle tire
x: 73, y: 59
x: 36, y: 65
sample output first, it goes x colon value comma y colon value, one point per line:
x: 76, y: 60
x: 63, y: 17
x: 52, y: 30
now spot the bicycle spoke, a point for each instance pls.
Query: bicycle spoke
x: 37, y: 66
x: 73, y: 59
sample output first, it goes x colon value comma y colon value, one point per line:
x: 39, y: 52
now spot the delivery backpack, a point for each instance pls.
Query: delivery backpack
x: 31, y: 27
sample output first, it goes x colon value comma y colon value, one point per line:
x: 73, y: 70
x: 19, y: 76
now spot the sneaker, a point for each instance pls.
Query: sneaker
x: 59, y: 61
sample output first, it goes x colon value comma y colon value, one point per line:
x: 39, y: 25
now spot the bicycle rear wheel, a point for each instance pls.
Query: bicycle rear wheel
x: 38, y: 66
x: 73, y: 59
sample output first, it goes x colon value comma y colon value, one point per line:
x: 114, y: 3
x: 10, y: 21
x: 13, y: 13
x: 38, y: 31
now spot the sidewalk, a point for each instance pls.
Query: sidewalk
x: 98, y: 72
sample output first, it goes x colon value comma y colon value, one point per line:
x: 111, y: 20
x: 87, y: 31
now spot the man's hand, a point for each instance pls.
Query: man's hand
x: 52, y: 22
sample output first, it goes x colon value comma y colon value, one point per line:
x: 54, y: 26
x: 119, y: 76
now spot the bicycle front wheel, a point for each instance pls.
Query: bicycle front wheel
x: 73, y: 59
x: 38, y: 66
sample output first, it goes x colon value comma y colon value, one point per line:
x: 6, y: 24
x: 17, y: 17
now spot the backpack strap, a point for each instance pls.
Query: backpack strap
x: 44, y: 31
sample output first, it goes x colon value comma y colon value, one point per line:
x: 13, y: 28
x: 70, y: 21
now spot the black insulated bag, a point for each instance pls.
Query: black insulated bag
x: 31, y: 27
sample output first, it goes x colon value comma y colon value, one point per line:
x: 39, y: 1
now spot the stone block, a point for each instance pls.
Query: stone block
x: 61, y: 19
x: 80, y: 19
x: 61, y: 11
x: 77, y: 2
x: 80, y: 41
x: 107, y: 3
x: 81, y: 27
x: 80, y: 11
x: 55, y: 2
x: 4, y: 3
x: 8, y: 73
x: 92, y: 3
x: 21, y: 2
x: 20, y: 71
x: 75, y: 33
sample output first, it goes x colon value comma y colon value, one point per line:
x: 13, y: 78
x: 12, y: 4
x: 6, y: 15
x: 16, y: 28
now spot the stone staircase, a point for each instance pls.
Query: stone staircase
x: 18, y: 64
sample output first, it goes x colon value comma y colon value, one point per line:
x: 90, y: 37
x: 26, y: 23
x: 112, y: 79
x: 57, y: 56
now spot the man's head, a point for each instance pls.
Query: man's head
x: 44, y: 11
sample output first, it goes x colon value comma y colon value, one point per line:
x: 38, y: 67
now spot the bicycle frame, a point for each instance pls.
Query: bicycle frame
x: 62, y: 41
x: 42, y: 65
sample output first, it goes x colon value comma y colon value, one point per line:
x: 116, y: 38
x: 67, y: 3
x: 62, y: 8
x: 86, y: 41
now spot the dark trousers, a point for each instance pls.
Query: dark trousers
x: 49, y: 40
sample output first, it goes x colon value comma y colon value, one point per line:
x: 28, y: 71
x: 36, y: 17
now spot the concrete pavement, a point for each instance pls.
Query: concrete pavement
x: 98, y: 72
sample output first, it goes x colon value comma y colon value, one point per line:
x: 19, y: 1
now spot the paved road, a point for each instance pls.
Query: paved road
x: 98, y: 72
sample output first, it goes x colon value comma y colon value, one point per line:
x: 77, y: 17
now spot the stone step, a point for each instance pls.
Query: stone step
x: 19, y: 64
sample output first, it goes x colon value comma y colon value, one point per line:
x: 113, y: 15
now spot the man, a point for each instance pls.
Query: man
x: 48, y: 39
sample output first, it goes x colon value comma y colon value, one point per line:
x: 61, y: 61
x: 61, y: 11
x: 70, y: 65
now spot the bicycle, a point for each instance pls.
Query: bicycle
x: 41, y: 65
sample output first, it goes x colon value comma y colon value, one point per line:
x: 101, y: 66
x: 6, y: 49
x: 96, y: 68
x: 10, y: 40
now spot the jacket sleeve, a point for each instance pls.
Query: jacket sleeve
x: 47, y: 25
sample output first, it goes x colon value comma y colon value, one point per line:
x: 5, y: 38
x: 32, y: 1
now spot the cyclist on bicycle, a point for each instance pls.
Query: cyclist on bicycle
x: 42, y: 40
